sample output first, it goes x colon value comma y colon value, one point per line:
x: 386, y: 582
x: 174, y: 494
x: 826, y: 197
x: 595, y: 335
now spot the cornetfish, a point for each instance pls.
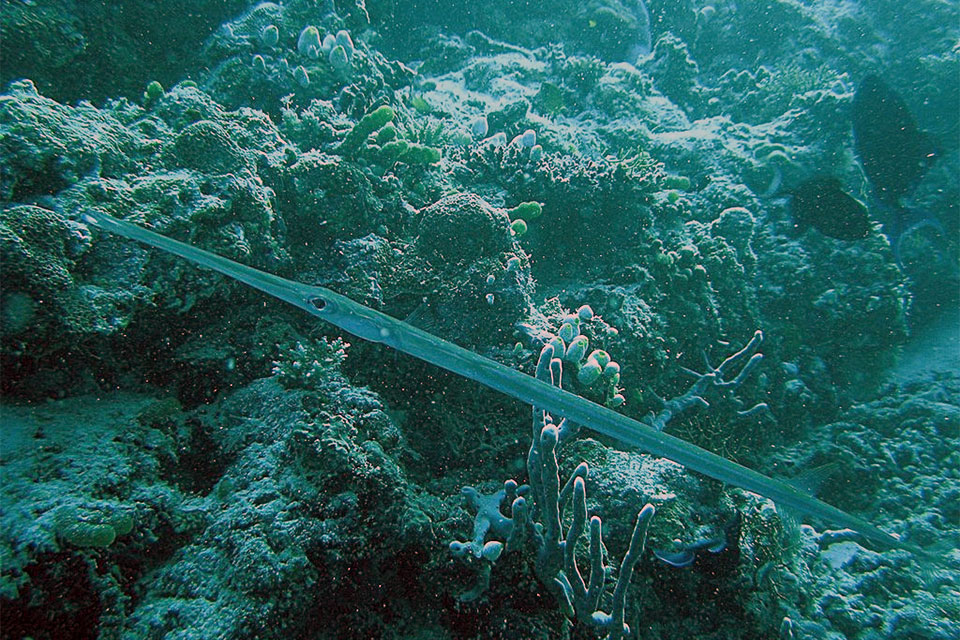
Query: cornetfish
x: 372, y: 325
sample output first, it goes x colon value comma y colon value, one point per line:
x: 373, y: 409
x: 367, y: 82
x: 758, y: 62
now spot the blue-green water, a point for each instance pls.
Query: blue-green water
x: 641, y: 185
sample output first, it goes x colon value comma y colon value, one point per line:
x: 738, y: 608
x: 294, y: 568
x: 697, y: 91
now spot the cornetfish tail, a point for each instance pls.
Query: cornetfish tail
x: 373, y: 325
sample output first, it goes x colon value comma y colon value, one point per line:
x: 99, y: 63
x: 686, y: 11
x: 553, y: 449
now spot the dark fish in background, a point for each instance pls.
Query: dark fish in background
x: 821, y: 203
x: 894, y: 152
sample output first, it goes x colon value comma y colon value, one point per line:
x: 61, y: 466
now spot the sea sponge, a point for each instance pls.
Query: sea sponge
x: 309, y: 44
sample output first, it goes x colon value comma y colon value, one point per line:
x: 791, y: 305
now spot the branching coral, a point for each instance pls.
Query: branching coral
x: 535, y: 524
x: 714, y: 376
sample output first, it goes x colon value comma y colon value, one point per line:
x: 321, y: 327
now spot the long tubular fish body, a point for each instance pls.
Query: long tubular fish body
x: 375, y: 326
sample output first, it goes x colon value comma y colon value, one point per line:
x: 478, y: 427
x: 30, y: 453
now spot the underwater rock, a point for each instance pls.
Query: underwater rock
x: 47, y: 146
x: 822, y: 203
x: 42, y: 297
x: 95, y: 51
x: 644, y: 41
x: 300, y: 469
x: 462, y: 228
x: 206, y: 146
x: 901, y: 444
x: 674, y: 71
x: 618, y: 30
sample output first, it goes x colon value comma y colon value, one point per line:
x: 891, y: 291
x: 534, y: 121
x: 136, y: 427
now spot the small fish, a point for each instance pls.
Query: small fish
x: 894, y: 152
x: 726, y: 539
x: 821, y: 203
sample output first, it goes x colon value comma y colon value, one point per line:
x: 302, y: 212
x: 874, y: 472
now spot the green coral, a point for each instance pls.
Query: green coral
x: 420, y: 154
x: 411, y: 153
x: 526, y: 211
x: 676, y: 182
x: 416, y: 145
x: 97, y: 526
x: 369, y: 123
x: 153, y: 92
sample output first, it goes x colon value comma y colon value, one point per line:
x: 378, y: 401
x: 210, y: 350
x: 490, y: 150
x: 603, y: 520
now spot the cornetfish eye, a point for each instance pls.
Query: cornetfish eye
x: 318, y: 303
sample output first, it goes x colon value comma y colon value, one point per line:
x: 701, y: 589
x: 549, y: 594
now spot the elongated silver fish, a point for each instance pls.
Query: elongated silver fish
x: 375, y: 326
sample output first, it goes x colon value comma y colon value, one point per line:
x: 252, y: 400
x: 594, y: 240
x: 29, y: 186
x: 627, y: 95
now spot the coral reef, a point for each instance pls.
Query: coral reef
x: 608, y: 180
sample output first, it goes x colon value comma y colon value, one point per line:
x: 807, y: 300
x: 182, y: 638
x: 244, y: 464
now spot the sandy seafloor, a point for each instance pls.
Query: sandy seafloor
x: 183, y: 457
